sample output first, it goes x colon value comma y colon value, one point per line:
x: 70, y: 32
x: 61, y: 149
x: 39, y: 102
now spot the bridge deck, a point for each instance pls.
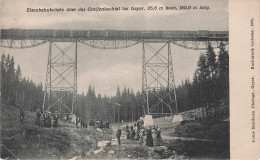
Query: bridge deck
x: 48, y: 34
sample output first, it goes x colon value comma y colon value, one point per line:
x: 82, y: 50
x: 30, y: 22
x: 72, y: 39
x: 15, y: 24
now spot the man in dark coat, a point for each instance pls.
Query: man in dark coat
x: 82, y: 123
x: 67, y: 118
x: 118, y: 135
x: 127, y: 134
x: 48, y: 120
x: 133, y: 134
x: 158, y: 133
x: 55, y: 121
x: 86, y: 125
x: 44, y: 119
x: 38, y: 118
x: 77, y: 121
x: 91, y: 123
x: 149, y: 139
x: 101, y: 124
x: 107, y: 124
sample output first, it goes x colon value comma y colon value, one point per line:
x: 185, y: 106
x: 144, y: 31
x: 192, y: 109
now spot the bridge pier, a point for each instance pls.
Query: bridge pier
x: 158, y: 87
x: 60, y: 93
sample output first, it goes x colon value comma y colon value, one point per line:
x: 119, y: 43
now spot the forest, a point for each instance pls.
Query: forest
x: 208, y: 88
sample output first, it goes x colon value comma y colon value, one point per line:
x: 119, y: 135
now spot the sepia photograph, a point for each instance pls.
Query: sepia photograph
x: 115, y: 79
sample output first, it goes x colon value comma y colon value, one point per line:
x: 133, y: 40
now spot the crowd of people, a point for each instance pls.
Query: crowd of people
x: 139, y: 133
x: 81, y: 123
x: 99, y: 124
x: 45, y: 119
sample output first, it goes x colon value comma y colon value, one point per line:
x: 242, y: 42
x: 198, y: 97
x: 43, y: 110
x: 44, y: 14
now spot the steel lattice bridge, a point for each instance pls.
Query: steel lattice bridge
x: 157, y: 66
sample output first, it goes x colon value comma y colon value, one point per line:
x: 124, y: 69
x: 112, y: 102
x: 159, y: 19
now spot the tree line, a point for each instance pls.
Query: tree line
x: 124, y: 106
x: 17, y: 90
x: 209, y: 88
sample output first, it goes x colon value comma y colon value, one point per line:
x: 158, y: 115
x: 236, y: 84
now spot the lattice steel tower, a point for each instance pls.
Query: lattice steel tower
x: 60, y: 95
x: 158, y: 79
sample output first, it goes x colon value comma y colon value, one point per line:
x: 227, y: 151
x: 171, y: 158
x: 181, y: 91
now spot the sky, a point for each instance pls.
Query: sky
x: 107, y: 69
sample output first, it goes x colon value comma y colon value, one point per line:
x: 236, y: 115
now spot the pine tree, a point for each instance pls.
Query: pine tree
x: 223, y: 72
x: 3, y: 77
x: 11, y: 80
x: 211, y: 62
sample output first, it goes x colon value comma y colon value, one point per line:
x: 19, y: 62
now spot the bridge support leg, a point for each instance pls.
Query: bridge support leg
x: 158, y: 87
x: 60, y: 96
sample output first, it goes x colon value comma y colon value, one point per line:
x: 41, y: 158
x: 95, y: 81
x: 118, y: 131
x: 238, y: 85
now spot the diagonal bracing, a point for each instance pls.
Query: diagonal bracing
x: 158, y: 86
x: 60, y: 95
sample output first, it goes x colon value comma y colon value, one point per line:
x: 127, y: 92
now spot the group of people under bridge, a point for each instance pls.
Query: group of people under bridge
x: 93, y: 123
x: 138, y: 132
x: 46, y: 119
x: 135, y: 132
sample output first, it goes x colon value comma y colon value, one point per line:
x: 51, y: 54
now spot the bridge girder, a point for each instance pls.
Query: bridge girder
x: 111, y: 44
x: 110, y: 39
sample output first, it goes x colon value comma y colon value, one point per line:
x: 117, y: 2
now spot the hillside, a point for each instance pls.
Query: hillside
x: 31, y: 141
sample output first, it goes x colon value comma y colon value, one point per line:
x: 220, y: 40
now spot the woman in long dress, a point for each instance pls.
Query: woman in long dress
x: 149, y: 139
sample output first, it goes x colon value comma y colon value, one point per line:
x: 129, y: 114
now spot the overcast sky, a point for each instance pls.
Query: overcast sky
x: 106, y: 69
